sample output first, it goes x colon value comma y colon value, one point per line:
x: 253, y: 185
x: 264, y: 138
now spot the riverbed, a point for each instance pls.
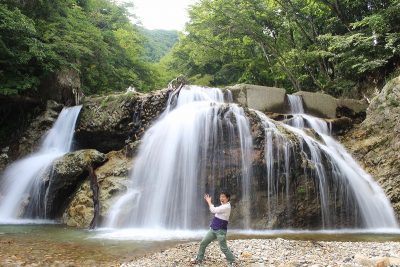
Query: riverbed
x: 58, y: 245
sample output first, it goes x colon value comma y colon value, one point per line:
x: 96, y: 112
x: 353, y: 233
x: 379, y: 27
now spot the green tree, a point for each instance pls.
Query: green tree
x: 329, y: 45
x: 94, y: 37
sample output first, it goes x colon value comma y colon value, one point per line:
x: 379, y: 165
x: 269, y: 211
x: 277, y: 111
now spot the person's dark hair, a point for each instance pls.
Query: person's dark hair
x: 226, y: 193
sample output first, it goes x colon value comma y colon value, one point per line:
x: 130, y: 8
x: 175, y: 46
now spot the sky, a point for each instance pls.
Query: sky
x: 162, y: 14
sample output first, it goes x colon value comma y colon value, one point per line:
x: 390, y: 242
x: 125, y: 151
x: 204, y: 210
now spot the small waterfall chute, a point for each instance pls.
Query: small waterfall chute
x: 21, y: 187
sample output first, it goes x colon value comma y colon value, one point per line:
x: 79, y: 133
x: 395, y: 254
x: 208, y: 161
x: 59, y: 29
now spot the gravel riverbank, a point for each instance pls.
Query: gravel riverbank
x: 281, y: 252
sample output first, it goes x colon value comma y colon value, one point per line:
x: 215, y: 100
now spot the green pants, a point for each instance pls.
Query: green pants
x: 211, y: 235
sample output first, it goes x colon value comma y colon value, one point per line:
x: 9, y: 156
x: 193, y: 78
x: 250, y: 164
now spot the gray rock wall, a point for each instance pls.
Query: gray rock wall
x: 376, y: 142
x: 262, y: 98
x: 272, y: 99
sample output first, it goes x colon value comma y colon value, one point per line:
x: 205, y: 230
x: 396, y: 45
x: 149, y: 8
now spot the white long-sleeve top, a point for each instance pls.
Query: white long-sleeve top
x: 221, y: 212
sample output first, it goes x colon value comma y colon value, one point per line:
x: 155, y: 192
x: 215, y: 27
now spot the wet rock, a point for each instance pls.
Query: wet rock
x: 4, y: 160
x: 66, y: 175
x: 262, y: 98
x: 63, y: 86
x: 32, y: 138
x: 341, y: 125
x: 112, y: 179
x: 110, y: 122
x: 376, y: 142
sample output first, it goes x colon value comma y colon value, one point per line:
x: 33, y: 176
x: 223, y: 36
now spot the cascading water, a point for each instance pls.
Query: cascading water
x: 201, y: 144
x: 185, y: 154
x: 20, y: 187
x: 357, y: 189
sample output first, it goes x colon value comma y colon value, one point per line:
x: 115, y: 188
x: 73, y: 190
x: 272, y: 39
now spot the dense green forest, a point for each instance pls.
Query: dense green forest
x: 158, y: 43
x: 317, y: 45
x: 94, y: 37
x: 334, y: 46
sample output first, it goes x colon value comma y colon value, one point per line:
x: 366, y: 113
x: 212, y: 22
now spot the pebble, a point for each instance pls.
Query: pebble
x: 280, y: 253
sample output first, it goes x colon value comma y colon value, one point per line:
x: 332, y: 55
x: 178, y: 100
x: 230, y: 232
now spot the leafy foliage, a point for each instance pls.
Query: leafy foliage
x: 328, y: 45
x: 94, y: 37
x: 157, y: 43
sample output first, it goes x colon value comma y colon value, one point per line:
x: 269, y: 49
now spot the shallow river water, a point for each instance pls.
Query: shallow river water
x: 53, y: 244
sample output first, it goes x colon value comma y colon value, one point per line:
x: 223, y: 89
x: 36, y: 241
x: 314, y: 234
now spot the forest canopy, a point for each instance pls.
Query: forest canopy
x: 334, y: 46
x: 94, y: 37
x: 316, y: 45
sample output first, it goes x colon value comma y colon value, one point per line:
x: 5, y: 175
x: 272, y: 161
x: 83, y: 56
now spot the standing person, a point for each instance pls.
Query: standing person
x: 218, y: 228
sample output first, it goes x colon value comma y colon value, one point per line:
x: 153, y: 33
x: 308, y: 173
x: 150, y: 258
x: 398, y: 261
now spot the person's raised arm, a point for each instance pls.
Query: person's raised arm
x: 211, y: 205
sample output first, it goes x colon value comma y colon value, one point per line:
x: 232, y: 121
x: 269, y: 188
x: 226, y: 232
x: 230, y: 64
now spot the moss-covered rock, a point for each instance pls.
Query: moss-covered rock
x: 107, y: 123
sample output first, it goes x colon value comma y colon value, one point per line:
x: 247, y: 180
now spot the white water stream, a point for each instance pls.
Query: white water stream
x: 185, y: 153
x: 374, y: 207
x: 20, y: 182
x: 169, y: 175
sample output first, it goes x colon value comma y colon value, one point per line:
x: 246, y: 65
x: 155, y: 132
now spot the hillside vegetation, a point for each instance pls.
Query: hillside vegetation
x: 334, y: 46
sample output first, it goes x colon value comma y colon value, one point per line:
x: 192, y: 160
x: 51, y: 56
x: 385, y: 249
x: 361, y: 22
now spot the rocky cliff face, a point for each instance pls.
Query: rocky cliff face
x: 112, y: 178
x: 304, y: 210
x: 62, y: 86
x: 376, y: 141
x: 109, y: 123
x: 114, y: 125
x: 20, y: 145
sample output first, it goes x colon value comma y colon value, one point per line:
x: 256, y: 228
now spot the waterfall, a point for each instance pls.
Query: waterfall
x: 277, y: 150
x: 185, y: 154
x: 358, y: 189
x: 21, y: 189
x: 203, y: 143
x: 295, y: 104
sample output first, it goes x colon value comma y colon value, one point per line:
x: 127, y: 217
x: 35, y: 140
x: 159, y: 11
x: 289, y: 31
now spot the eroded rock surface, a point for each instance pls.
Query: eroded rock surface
x: 66, y: 175
x: 376, y: 142
x: 108, y: 123
x: 112, y: 177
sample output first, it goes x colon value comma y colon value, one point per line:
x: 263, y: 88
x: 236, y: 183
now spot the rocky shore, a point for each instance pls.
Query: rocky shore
x: 281, y: 252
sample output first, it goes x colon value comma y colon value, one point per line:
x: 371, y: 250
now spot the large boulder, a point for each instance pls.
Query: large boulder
x: 376, y: 142
x: 319, y: 104
x: 274, y: 100
x: 112, y: 178
x: 262, y: 98
x: 67, y: 173
x: 325, y: 106
x: 108, y: 123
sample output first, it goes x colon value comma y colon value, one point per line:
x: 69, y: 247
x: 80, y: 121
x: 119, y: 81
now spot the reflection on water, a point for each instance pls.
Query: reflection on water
x: 49, y: 244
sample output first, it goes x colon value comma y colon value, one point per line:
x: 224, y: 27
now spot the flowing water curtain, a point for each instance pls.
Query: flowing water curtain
x: 203, y: 144
x: 23, y: 188
x: 348, y: 195
x: 345, y: 194
x: 194, y: 148
x: 278, y: 150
